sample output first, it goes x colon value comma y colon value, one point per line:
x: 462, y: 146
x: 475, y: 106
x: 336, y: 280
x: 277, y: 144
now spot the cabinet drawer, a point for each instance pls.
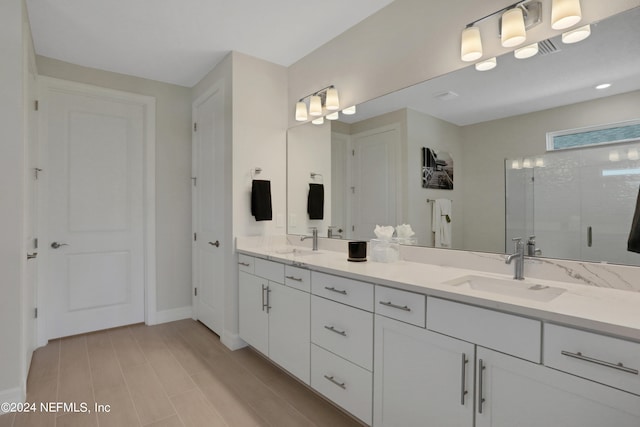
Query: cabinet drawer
x: 342, y: 382
x: 607, y: 360
x: 343, y: 330
x: 269, y: 270
x: 298, y: 278
x: 400, y: 305
x: 245, y: 263
x: 515, y: 335
x: 346, y: 291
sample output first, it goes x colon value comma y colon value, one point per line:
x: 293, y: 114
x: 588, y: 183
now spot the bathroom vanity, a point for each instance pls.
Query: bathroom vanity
x: 407, y: 344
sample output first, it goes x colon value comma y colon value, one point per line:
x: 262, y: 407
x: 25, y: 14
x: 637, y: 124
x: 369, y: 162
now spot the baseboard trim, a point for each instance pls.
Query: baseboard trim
x: 12, y: 395
x: 173, y: 314
x: 232, y: 341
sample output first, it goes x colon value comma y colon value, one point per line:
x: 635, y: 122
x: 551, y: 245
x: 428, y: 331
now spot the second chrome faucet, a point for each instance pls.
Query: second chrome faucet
x: 519, y: 258
x: 313, y: 236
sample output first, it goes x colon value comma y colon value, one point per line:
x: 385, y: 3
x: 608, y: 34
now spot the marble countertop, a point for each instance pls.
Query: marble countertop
x: 609, y: 311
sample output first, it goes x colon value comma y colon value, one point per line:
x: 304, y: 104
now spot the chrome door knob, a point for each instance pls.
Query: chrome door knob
x: 56, y: 245
x: 216, y: 243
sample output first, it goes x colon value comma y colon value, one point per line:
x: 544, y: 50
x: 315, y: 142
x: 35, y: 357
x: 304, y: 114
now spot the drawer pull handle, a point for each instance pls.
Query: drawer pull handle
x: 463, y: 385
x: 618, y: 366
x: 338, y: 291
x: 399, y: 307
x: 245, y: 264
x: 333, y: 329
x: 297, y: 279
x: 481, y: 399
x: 341, y: 385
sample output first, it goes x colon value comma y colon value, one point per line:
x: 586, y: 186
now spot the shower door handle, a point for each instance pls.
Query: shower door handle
x: 589, y: 236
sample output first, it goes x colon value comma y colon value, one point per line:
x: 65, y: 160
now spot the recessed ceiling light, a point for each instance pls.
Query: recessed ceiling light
x: 603, y: 86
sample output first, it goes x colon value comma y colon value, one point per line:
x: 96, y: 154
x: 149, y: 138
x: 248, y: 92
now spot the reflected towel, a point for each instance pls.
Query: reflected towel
x: 633, y: 244
x: 441, y: 223
x: 261, y: 200
x: 315, y: 201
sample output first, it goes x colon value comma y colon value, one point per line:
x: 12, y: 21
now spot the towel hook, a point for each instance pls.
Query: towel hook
x: 255, y: 171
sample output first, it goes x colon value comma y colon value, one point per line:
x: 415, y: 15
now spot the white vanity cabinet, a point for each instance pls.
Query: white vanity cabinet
x: 342, y: 342
x: 513, y: 392
x: 275, y: 318
x: 421, y: 378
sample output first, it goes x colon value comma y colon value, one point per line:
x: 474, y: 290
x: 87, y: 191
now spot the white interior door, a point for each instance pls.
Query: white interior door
x: 374, y: 181
x: 95, y: 262
x: 208, y: 210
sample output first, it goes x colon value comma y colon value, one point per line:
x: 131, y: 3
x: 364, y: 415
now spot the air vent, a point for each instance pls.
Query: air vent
x: 547, y: 47
x: 446, y: 96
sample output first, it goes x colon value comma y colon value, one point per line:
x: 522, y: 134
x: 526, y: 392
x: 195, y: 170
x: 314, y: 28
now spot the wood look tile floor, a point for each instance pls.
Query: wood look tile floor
x: 174, y: 374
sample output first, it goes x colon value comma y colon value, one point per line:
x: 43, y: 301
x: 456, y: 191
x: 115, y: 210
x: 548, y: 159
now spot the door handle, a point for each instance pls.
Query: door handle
x: 216, y: 243
x: 56, y: 245
x: 32, y: 256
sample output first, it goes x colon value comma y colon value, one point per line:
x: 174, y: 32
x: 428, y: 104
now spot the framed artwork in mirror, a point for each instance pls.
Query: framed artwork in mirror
x: 437, y: 169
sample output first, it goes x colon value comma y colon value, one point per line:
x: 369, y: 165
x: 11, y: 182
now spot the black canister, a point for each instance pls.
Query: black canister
x: 357, y: 251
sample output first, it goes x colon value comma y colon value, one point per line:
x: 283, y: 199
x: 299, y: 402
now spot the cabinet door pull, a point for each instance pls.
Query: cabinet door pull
x: 297, y: 279
x: 339, y: 384
x: 463, y: 382
x: 338, y: 291
x: 245, y: 264
x: 619, y: 366
x: 264, y: 288
x: 399, y: 307
x: 268, y: 298
x: 333, y: 329
x: 481, y: 398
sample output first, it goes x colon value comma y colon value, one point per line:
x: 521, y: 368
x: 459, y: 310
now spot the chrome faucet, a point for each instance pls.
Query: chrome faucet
x: 313, y: 236
x: 531, y: 247
x: 519, y: 257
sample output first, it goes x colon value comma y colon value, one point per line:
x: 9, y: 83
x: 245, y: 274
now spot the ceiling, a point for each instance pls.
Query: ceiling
x: 180, y: 41
x: 610, y: 55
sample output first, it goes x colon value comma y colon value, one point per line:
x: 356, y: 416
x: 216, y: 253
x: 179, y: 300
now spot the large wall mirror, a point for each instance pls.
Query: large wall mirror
x: 457, y: 138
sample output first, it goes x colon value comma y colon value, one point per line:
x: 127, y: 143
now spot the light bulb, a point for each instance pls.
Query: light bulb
x: 301, y: 112
x: 527, y: 51
x: 332, y: 102
x: 487, y: 64
x: 471, y: 45
x: 576, y: 35
x: 565, y: 14
x: 315, y: 106
x: 513, y: 31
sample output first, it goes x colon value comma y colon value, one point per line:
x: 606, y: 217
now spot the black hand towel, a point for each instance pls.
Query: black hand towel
x: 315, y: 201
x: 261, y: 200
x: 633, y: 244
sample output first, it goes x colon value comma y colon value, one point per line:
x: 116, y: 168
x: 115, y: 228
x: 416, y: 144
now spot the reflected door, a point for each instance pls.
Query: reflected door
x: 95, y: 252
x: 374, y: 188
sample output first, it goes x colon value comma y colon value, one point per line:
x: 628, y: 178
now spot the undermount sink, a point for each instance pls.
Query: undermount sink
x: 512, y: 288
x: 295, y: 251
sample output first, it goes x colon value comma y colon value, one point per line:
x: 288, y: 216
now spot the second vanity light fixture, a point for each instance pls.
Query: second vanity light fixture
x: 324, y: 100
x: 514, y: 22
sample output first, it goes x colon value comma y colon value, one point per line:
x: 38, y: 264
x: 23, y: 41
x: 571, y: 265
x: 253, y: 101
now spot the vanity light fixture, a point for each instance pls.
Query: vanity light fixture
x: 333, y: 116
x: 565, y: 14
x: 526, y: 51
x: 326, y: 97
x: 614, y: 156
x: 632, y: 154
x: 539, y: 162
x: 318, y: 121
x: 487, y: 64
x: 576, y: 35
x: 526, y: 163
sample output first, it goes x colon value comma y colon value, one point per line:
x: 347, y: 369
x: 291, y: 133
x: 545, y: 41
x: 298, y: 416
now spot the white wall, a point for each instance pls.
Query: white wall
x: 427, y: 131
x: 486, y: 145
x: 12, y: 188
x: 309, y: 149
x: 173, y: 172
